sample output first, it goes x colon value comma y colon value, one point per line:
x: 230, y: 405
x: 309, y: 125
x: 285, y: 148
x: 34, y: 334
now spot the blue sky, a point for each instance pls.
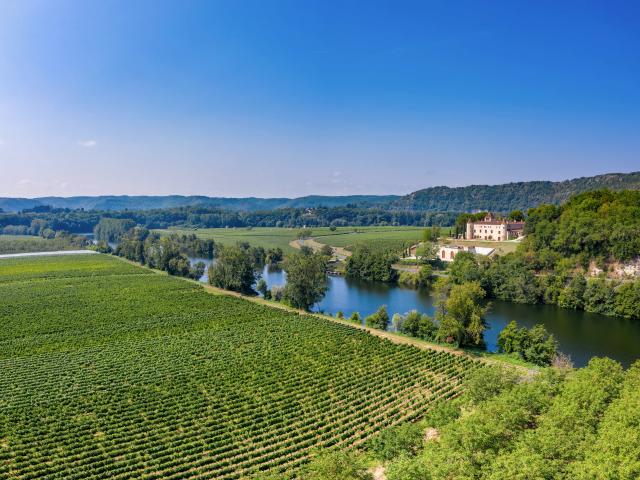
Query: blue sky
x: 287, y: 98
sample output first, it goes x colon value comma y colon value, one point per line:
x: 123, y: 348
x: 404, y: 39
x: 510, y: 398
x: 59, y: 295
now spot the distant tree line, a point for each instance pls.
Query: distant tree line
x: 32, y: 221
x: 168, y: 253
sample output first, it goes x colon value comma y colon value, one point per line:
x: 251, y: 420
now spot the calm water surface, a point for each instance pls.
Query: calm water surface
x: 580, y: 334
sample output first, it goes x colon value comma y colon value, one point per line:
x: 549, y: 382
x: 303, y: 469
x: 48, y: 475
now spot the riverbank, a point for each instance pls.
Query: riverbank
x: 487, y: 357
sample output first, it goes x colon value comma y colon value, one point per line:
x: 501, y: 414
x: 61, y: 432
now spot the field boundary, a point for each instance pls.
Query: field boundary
x: 390, y: 336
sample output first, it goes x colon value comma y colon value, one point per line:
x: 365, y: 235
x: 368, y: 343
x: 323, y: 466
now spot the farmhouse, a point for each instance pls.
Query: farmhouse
x: 493, y: 229
x: 447, y: 253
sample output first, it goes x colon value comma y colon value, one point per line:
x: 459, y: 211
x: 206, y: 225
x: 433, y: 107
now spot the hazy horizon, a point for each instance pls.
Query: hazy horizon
x: 288, y: 99
x: 297, y: 196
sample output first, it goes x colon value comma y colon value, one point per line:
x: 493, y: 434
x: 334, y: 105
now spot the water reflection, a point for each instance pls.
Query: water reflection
x: 580, y: 334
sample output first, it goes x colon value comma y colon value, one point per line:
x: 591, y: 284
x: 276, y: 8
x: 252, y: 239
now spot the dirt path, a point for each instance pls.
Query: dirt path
x: 338, y: 252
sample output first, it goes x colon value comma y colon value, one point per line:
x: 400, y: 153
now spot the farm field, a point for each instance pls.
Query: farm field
x: 346, y: 237
x: 113, y: 370
x: 29, y: 243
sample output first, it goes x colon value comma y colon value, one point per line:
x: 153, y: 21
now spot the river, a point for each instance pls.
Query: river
x: 580, y: 334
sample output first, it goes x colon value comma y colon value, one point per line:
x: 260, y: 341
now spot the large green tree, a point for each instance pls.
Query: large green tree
x: 460, y: 315
x: 306, y: 279
x: 234, y: 269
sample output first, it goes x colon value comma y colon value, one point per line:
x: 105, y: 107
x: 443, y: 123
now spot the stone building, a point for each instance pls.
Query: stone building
x: 493, y: 229
x: 447, y: 253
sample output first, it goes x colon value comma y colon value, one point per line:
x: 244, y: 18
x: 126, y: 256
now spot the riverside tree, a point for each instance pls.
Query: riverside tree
x: 235, y: 269
x: 306, y: 279
x: 460, y: 314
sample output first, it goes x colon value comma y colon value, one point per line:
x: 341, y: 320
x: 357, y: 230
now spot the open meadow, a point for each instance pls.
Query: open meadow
x: 395, y: 238
x: 29, y: 243
x: 114, y: 370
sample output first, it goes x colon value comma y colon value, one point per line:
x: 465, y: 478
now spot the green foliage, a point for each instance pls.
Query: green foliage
x: 627, y: 301
x: 306, y: 279
x: 465, y: 268
x: 10, y: 244
x: 535, y: 345
x: 516, y: 216
x: 419, y: 326
x: 355, y: 318
x: 111, y: 370
x: 595, y: 224
x: 600, y: 296
x: 572, y: 296
x: 423, y: 278
x: 405, y: 439
x: 460, y: 314
x: 431, y: 234
x: 340, y: 465
x: 274, y: 256
x: 615, y: 453
x: 485, y: 384
x: 379, y: 319
x: 235, y: 269
x: 261, y: 287
x: 510, y: 196
x: 371, y: 264
x: 112, y: 229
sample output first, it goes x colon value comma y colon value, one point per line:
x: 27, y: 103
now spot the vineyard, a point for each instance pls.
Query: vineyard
x: 111, y: 370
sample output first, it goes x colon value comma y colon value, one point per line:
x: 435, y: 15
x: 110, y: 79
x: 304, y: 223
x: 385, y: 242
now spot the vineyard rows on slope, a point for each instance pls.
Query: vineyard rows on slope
x: 111, y: 371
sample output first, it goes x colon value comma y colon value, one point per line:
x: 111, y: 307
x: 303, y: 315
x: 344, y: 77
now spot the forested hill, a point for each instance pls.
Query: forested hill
x: 511, y: 196
x: 498, y: 198
x: 251, y: 204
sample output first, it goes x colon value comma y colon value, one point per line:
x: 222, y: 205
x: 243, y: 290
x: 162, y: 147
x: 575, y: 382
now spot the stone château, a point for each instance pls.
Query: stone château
x: 492, y: 228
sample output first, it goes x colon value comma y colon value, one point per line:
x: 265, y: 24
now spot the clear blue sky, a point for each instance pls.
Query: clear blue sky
x: 287, y: 98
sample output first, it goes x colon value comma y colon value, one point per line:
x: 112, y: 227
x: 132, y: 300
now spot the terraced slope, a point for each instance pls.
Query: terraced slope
x: 111, y: 371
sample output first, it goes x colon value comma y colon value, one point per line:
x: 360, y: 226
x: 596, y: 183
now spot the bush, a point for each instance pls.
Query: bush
x: 390, y: 443
x: 379, y: 320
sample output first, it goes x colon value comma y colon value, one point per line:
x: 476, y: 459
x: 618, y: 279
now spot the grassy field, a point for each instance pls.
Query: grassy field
x: 346, y: 237
x: 112, y: 370
x: 28, y: 243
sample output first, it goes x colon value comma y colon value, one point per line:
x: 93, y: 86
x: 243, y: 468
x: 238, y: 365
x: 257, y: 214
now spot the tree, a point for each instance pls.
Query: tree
x: 627, y: 302
x: 234, y: 269
x: 306, y: 280
x: 511, y: 339
x: 516, y: 216
x: 465, y: 268
x: 431, y: 234
x: 411, y: 323
x: 573, y: 294
x: 599, y: 296
x: 535, y: 345
x: 371, y: 264
x: 461, y: 315
x: 380, y: 319
x: 261, y: 287
x: 274, y: 256
x: 404, y: 439
x: 483, y: 384
x: 541, y: 347
x: 355, y: 318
